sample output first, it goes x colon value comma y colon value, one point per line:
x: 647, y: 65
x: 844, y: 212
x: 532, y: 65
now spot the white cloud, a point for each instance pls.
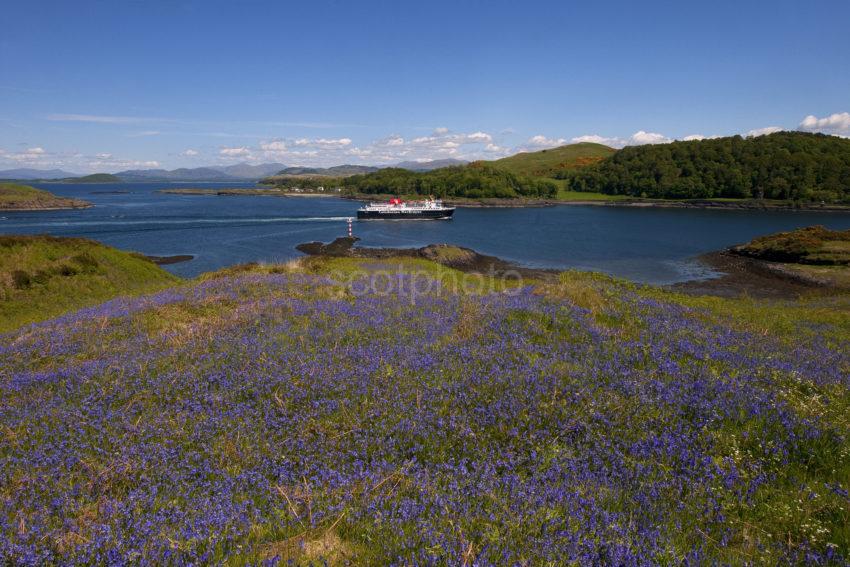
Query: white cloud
x: 696, y: 137
x: 190, y: 153
x: 29, y: 155
x: 273, y: 146
x: 479, y: 137
x: 541, y: 141
x: 38, y: 157
x: 495, y: 149
x: 640, y: 138
x: 323, y: 142
x: 111, y: 164
x: 763, y: 131
x: 234, y: 152
x: 332, y: 143
x: 594, y: 139
x: 838, y: 124
x: 441, y: 131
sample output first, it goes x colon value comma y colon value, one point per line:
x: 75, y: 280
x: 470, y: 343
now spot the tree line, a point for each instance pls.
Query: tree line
x: 784, y: 165
x: 474, y: 181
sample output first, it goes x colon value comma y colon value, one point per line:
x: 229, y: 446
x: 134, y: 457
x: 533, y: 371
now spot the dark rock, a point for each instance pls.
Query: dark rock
x: 342, y: 246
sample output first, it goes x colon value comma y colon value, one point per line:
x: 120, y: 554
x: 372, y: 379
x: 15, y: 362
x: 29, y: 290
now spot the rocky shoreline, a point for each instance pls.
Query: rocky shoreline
x: 745, y: 276
x: 53, y: 205
x: 740, y: 275
x: 166, y: 260
x: 459, y: 258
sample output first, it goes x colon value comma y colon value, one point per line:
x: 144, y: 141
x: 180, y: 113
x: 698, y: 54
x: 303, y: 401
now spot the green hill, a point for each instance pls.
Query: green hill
x: 552, y: 162
x: 95, y: 178
x: 15, y: 197
x: 785, y: 165
x: 45, y: 276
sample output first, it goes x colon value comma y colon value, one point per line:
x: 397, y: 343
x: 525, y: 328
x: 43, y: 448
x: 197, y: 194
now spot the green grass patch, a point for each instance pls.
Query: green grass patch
x: 43, y: 277
x: 12, y: 193
x: 566, y: 195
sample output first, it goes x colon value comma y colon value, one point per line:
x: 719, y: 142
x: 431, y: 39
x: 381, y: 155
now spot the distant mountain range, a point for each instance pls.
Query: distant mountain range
x: 238, y: 172
x: 29, y: 173
x: 242, y: 172
x: 337, y: 170
x: 343, y: 170
x: 430, y: 164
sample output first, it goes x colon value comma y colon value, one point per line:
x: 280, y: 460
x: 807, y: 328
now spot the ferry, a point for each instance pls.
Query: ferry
x: 400, y: 210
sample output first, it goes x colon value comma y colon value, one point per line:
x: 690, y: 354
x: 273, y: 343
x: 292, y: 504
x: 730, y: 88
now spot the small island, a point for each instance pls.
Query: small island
x: 95, y: 178
x: 14, y: 197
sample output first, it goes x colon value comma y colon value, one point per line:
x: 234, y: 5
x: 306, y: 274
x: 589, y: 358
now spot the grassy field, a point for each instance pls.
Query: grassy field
x: 14, y: 196
x: 567, y: 195
x: 399, y: 412
x: 42, y: 277
x: 546, y: 163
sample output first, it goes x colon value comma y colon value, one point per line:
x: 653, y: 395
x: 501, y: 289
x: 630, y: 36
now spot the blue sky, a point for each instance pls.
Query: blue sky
x: 106, y: 86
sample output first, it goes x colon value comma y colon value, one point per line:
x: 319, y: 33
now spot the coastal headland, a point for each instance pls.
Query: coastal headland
x: 16, y: 197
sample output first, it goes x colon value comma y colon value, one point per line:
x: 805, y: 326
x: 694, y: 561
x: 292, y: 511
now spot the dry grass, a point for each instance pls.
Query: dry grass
x: 311, y: 547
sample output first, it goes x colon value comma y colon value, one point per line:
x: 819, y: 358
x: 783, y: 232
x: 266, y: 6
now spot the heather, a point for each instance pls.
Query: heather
x: 373, y: 413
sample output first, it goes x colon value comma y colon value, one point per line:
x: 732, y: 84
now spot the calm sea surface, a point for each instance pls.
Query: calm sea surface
x: 646, y: 245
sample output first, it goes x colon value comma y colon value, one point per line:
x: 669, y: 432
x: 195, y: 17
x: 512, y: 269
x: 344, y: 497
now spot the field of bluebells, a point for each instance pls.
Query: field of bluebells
x: 273, y: 418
